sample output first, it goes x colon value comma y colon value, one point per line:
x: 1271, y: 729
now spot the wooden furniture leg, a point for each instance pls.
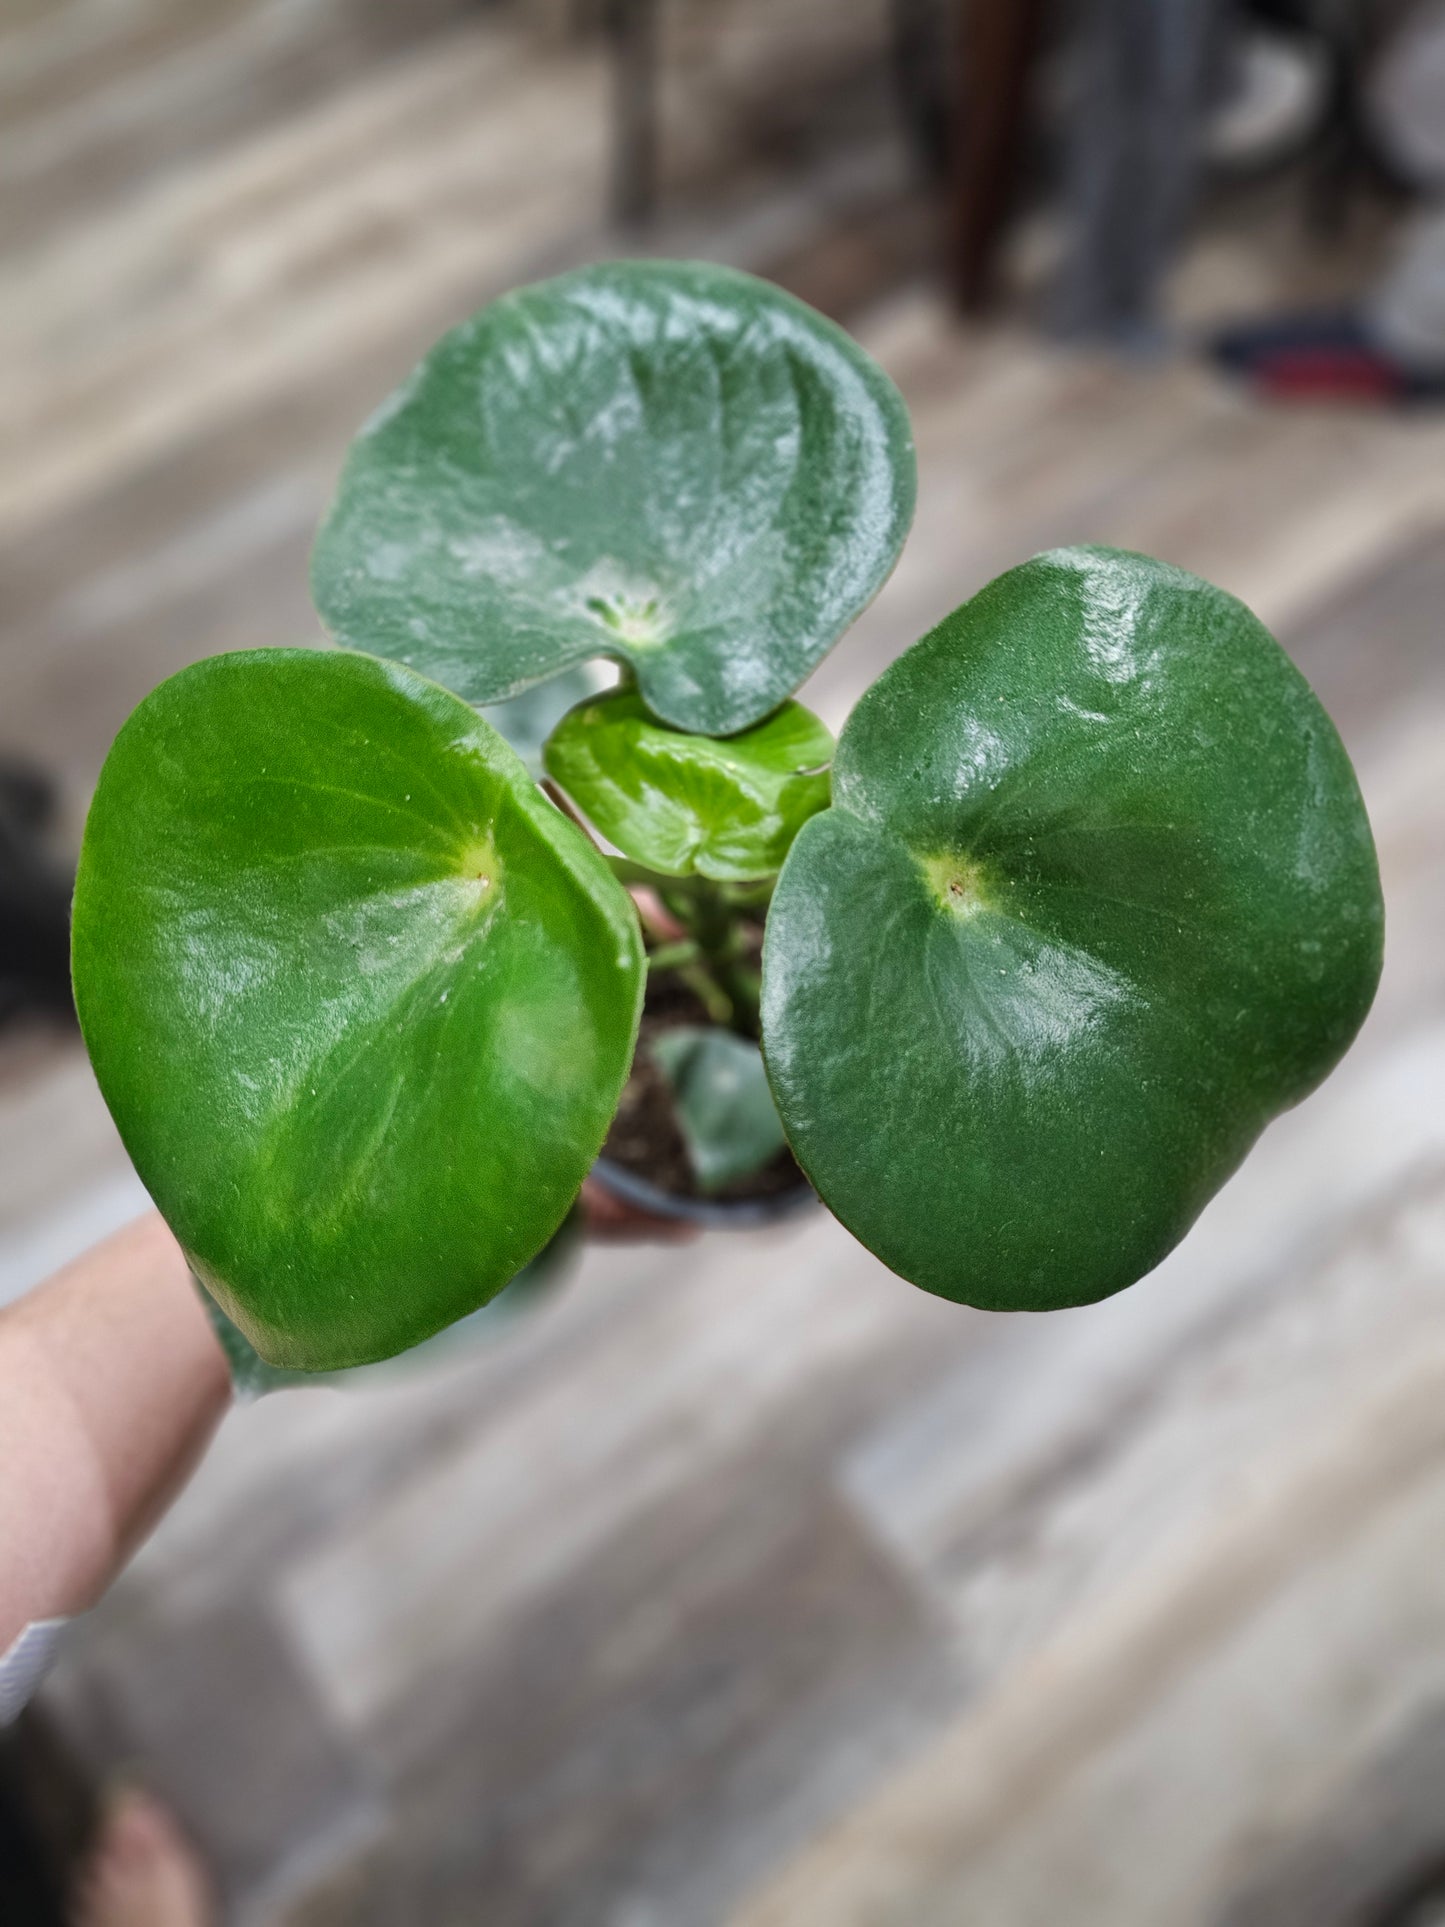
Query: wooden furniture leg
x: 632, y: 27
x: 997, y: 42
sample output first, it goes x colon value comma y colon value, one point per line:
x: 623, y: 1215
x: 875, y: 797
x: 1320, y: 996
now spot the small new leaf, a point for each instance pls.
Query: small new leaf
x: 724, y: 1108
x: 726, y: 808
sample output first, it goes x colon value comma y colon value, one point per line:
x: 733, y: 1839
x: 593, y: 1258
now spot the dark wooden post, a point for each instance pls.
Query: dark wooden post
x: 632, y: 27
x: 997, y: 42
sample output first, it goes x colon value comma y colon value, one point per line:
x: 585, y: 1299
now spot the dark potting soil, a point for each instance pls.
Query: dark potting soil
x: 645, y: 1138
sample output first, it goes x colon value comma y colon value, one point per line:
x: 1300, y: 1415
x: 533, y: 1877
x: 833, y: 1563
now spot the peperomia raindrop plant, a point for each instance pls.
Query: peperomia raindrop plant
x: 1083, y: 897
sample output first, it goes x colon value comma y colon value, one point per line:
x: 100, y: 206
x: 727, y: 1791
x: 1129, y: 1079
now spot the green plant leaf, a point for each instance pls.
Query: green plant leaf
x: 253, y: 1378
x: 1097, y: 898
x: 724, y: 808
x: 360, y: 1000
x: 724, y: 1108
x: 668, y: 463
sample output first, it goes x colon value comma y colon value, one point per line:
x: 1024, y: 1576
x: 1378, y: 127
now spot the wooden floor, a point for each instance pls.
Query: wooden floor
x: 748, y: 1584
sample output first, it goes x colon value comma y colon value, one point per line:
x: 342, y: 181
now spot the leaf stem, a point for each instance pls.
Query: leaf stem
x: 672, y: 956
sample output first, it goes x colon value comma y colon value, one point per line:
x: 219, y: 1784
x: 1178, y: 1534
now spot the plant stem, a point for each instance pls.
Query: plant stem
x: 709, y: 993
x: 711, y: 959
x: 673, y: 956
x: 712, y: 915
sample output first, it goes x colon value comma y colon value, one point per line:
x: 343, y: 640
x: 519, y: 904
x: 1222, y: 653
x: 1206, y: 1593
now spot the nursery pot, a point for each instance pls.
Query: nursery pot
x: 726, y: 1214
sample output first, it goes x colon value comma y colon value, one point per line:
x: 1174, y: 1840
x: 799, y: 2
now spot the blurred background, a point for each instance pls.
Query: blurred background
x: 740, y: 1581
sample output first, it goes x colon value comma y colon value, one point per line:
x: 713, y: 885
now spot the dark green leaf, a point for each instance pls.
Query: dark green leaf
x: 724, y: 1107
x: 724, y: 808
x: 360, y: 1000
x: 668, y: 463
x: 1097, y: 898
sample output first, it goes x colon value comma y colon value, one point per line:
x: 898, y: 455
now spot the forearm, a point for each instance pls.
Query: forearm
x: 111, y: 1384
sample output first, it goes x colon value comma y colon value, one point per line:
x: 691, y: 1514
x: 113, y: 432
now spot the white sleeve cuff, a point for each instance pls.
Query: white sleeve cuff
x: 26, y: 1664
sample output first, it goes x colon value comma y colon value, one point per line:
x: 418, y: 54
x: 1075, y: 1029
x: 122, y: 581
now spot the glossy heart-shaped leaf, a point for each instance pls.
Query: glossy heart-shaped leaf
x: 726, y: 808
x: 360, y: 1000
x: 672, y: 464
x: 1097, y: 898
x: 253, y: 1378
x: 725, y: 1110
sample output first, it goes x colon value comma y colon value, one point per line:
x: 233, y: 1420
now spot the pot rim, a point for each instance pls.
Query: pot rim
x: 722, y: 1213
